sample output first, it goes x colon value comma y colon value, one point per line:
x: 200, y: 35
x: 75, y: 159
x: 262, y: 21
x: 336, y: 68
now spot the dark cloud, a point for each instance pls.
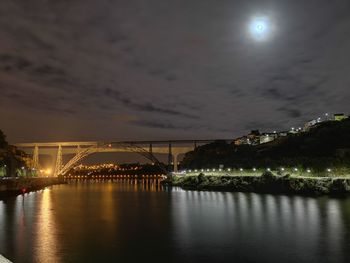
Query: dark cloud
x: 145, y: 107
x: 290, y: 113
x: 10, y: 62
x: 156, y: 125
x: 182, y: 68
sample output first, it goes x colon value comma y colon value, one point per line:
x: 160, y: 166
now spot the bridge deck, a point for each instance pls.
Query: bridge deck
x: 96, y: 143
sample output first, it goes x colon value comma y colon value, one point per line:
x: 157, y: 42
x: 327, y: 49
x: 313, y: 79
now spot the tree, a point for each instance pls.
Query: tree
x: 3, y: 142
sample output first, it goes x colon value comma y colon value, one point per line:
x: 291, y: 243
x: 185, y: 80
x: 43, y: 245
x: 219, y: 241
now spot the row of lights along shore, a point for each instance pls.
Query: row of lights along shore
x: 113, y: 176
x: 253, y: 169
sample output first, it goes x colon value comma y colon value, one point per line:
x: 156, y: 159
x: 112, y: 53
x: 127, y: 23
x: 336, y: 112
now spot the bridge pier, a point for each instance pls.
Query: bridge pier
x: 170, y: 158
x: 175, y: 160
x: 36, y: 158
x: 59, y: 162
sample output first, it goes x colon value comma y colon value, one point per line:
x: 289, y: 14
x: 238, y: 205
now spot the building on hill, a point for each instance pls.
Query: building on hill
x: 283, y: 134
x: 340, y: 116
x: 256, y: 138
x: 268, y: 137
x: 310, y: 124
x: 241, y: 141
x: 253, y: 137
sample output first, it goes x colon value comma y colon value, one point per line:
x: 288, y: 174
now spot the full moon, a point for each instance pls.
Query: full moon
x: 260, y: 28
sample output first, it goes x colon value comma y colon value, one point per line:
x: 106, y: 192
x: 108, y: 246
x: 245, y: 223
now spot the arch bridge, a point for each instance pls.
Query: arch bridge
x: 80, y: 150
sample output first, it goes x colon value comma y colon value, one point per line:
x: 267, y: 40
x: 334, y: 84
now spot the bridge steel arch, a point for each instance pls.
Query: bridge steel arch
x: 83, y: 153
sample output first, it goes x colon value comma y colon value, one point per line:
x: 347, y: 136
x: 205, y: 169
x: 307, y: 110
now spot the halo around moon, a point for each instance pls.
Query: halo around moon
x: 260, y: 28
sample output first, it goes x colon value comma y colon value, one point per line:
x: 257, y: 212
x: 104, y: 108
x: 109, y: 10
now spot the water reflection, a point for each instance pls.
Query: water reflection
x: 45, y: 243
x: 152, y: 185
x: 135, y: 221
x: 277, y: 228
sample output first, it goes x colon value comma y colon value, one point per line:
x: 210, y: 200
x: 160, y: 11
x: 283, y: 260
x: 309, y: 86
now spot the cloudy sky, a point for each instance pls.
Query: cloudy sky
x: 157, y: 69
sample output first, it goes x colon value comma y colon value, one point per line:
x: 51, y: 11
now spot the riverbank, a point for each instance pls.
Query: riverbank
x: 17, y: 186
x: 266, y: 183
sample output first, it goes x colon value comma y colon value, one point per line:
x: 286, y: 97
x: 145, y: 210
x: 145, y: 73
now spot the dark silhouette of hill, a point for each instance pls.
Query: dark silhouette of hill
x: 326, y: 145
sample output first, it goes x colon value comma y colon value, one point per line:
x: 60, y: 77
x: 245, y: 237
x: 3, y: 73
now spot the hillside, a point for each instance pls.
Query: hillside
x: 327, y: 145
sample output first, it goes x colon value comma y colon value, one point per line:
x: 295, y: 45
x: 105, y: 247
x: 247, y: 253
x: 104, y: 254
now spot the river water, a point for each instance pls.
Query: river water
x: 142, y: 222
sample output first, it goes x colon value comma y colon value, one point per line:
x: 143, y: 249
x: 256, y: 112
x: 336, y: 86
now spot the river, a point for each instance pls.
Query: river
x: 126, y: 221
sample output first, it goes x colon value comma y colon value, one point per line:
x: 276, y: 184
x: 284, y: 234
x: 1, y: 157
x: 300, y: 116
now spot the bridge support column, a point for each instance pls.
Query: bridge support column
x: 170, y: 158
x: 36, y: 158
x: 150, y: 149
x: 59, y: 163
x: 78, y: 149
x: 175, y: 162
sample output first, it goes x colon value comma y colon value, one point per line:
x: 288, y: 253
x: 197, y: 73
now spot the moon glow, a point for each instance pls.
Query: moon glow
x: 260, y: 28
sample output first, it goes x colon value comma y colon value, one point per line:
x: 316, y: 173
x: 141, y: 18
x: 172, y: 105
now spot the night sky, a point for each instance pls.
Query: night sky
x: 157, y: 69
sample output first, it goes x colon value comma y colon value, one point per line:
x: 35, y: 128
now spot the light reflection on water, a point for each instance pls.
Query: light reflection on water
x: 98, y: 221
x: 45, y: 243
